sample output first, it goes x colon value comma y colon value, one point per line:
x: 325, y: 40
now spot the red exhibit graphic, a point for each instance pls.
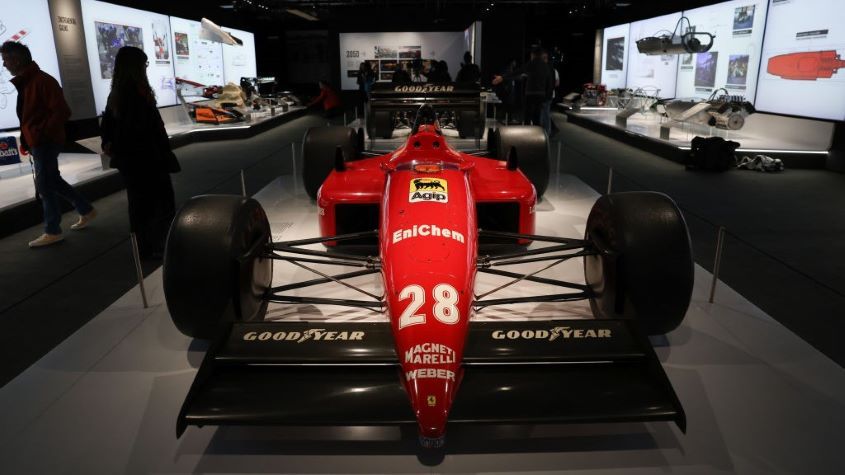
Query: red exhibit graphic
x: 806, y: 66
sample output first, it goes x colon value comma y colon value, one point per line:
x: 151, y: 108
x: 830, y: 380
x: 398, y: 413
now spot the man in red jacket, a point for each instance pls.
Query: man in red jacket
x: 329, y: 98
x: 42, y: 111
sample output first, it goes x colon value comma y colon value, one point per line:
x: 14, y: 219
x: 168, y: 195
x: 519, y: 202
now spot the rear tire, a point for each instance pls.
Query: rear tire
x: 468, y: 124
x: 318, y: 154
x: 532, y: 148
x: 206, y: 284
x: 646, y: 271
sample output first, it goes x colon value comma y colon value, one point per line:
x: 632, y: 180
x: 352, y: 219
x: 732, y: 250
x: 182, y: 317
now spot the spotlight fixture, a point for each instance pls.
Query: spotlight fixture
x: 302, y: 14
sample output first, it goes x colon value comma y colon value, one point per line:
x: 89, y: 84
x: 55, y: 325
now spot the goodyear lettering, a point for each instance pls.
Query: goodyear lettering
x: 427, y: 230
x: 430, y: 373
x: 551, y: 335
x: 316, y: 334
x: 424, y: 88
x: 430, y: 353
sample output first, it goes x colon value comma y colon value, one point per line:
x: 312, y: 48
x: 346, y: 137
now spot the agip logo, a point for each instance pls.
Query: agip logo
x: 9, y: 153
x: 429, y: 189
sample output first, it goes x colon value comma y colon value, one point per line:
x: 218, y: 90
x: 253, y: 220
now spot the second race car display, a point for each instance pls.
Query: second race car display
x: 428, y: 220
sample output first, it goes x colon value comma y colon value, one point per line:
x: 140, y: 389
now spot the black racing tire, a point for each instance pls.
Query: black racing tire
x: 644, y: 269
x: 468, y: 124
x: 318, y: 154
x: 532, y: 149
x: 214, y: 266
x: 383, y: 122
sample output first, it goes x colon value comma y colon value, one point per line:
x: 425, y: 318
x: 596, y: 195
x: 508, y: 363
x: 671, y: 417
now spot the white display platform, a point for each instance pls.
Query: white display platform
x: 758, y: 399
x: 761, y: 132
x: 17, y: 185
x: 180, y: 126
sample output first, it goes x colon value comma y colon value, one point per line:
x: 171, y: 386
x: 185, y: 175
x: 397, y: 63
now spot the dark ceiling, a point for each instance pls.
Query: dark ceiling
x: 405, y: 15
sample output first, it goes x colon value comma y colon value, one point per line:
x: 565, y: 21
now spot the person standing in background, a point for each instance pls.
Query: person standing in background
x: 328, y: 99
x: 538, y: 85
x: 469, y: 72
x: 134, y: 137
x: 366, y: 78
x: 546, y: 112
x: 42, y: 112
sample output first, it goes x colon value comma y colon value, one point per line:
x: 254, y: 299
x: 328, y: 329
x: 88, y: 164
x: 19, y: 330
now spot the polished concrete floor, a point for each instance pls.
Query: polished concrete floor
x: 758, y: 398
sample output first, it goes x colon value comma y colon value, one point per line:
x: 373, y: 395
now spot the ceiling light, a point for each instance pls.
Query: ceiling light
x: 302, y: 14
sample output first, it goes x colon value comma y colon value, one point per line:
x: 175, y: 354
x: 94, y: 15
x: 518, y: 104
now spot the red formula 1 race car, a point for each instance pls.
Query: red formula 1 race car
x: 429, y: 219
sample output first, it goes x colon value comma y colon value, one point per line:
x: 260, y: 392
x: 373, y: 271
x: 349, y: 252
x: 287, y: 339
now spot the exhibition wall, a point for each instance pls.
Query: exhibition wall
x: 614, y: 56
x: 783, y: 56
x: 387, y: 50
x: 195, y: 59
x: 655, y: 74
x: 733, y: 61
x: 76, y: 42
x: 239, y: 61
x: 108, y: 28
x: 29, y: 23
x: 803, y: 48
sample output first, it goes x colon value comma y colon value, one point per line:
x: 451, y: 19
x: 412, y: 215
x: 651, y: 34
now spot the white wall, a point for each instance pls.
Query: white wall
x: 356, y: 47
x: 29, y: 23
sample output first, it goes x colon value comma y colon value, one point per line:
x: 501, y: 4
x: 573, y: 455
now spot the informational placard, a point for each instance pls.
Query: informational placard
x: 655, y: 74
x: 195, y: 59
x: 28, y: 23
x: 803, y: 66
x: 733, y: 61
x: 110, y: 27
x: 614, y: 56
x: 387, y: 51
x: 239, y: 61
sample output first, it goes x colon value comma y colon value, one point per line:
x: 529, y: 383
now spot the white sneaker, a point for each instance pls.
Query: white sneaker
x: 83, y: 220
x: 45, y: 240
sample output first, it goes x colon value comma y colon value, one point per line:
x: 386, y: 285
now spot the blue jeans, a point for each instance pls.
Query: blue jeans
x: 50, y: 185
x: 546, y: 116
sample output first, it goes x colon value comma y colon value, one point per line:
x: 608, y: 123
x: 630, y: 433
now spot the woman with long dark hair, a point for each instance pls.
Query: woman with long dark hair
x: 134, y: 137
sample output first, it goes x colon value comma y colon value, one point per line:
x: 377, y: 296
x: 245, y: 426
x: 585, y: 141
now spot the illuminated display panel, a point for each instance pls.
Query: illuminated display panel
x: 733, y: 61
x: 614, y: 56
x: 29, y: 23
x: 108, y: 28
x: 653, y: 72
x: 803, y: 71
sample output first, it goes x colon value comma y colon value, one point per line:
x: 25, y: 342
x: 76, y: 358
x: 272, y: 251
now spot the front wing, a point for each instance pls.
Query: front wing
x: 313, y: 373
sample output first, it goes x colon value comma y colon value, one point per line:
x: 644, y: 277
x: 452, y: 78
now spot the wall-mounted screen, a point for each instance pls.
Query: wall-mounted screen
x: 195, y: 59
x: 803, y: 66
x: 110, y: 27
x: 656, y: 74
x: 387, y: 51
x: 733, y: 61
x: 239, y: 61
x: 614, y: 56
x: 28, y: 23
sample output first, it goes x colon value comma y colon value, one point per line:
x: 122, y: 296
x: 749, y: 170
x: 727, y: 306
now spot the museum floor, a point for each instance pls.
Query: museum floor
x: 758, y: 398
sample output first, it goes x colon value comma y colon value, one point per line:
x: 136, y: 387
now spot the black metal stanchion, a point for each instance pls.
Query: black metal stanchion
x: 717, y: 263
x: 140, y: 273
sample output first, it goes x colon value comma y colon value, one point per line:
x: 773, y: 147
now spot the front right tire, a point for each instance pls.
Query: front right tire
x: 644, y: 267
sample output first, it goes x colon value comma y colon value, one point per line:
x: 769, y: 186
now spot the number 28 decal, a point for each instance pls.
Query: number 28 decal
x: 444, y: 309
